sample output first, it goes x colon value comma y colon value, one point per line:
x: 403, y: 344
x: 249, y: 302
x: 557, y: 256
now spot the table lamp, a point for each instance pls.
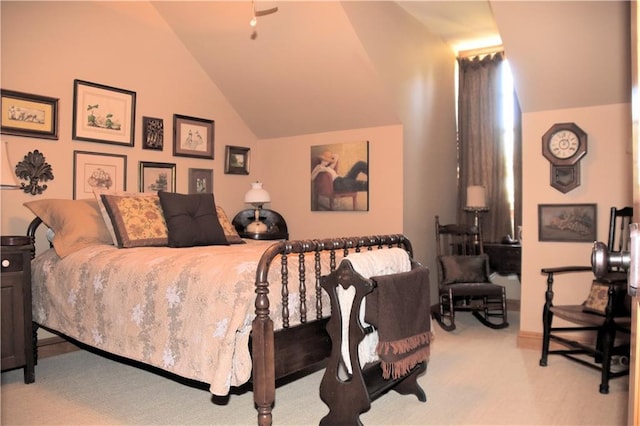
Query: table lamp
x: 476, y: 202
x: 257, y: 196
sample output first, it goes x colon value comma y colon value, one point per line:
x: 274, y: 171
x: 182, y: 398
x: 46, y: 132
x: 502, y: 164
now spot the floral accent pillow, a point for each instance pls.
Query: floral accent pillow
x: 137, y: 219
x: 229, y: 230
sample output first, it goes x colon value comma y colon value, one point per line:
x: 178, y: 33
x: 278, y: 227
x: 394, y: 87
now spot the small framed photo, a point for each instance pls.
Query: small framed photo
x: 152, y: 133
x: 567, y: 222
x: 98, y: 170
x: 156, y: 177
x: 236, y: 161
x: 24, y: 114
x: 103, y: 114
x: 200, y: 181
x: 193, y: 137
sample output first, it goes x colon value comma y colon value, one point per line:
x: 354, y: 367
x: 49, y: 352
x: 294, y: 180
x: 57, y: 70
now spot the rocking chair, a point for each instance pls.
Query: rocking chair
x: 463, y: 279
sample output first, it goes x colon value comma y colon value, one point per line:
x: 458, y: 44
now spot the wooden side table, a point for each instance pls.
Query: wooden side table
x: 17, y: 329
x: 276, y: 225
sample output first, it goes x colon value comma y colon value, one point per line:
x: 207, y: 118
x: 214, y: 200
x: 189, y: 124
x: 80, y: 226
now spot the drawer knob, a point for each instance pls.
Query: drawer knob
x: 5, y: 263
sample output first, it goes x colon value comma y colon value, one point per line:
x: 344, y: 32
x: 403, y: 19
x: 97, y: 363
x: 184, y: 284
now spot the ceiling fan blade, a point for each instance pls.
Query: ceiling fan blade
x: 266, y: 11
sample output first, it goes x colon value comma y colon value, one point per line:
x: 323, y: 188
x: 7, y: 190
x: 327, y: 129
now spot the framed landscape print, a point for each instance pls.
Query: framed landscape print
x: 236, y: 160
x: 152, y: 133
x: 193, y: 137
x: 156, y: 177
x: 567, y: 222
x: 200, y: 181
x: 103, y: 114
x: 98, y: 170
x: 24, y: 114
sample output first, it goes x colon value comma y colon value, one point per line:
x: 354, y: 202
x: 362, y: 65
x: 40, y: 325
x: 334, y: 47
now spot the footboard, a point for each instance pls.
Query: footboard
x: 273, y: 360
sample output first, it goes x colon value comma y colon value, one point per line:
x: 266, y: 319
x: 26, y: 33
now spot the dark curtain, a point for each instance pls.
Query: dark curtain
x: 481, y: 144
x: 517, y: 165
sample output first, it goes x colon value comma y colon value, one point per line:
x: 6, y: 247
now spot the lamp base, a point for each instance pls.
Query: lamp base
x: 256, y: 227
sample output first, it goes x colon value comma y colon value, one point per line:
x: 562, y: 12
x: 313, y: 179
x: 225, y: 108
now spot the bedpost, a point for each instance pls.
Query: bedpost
x: 263, y: 346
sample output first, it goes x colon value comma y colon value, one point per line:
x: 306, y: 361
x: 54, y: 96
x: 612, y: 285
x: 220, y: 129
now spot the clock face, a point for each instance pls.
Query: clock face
x: 564, y: 144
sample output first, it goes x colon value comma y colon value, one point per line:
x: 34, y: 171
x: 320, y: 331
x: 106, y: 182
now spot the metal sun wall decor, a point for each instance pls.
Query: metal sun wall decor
x: 34, y: 168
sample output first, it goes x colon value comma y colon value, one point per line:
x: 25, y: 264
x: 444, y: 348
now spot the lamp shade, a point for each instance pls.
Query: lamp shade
x: 476, y: 197
x: 9, y: 180
x: 257, y: 195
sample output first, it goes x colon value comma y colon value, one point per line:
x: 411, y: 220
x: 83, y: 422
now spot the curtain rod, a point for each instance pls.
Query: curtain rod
x: 480, y: 51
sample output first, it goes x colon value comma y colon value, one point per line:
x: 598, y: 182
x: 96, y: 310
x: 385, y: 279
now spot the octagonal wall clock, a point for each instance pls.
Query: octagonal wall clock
x: 564, y: 145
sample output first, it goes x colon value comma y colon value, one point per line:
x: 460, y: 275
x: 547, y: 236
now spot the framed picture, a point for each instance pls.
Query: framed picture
x: 152, y: 133
x: 24, y: 114
x: 192, y: 137
x: 340, y: 177
x: 103, y: 114
x: 200, y: 181
x: 156, y: 177
x: 98, y: 170
x: 567, y: 222
x: 236, y: 160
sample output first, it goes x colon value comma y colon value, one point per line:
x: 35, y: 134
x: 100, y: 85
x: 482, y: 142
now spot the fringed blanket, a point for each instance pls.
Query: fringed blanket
x: 399, y: 308
x: 369, y: 264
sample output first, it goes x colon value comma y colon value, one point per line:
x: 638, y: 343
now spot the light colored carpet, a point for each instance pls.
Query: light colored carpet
x: 476, y: 376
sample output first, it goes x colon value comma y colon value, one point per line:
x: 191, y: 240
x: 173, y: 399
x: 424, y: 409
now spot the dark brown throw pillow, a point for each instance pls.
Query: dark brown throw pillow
x: 464, y: 269
x: 191, y: 220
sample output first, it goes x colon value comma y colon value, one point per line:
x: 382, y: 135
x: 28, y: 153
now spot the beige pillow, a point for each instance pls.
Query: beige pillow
x: 229, y: 230
x: 137, y: 219
x: 76, y: 223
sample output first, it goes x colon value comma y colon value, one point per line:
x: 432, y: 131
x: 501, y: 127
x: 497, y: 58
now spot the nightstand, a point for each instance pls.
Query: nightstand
x: 277, y: 226
x: 17, y: 338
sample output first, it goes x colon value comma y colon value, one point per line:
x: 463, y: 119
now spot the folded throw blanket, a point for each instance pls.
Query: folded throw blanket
x: 399, y: 308
x: 369, y: 263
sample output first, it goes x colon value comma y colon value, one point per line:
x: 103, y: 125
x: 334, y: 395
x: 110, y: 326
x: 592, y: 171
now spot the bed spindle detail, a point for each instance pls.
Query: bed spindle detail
x: 284, y: 273
x: 302, y: 268
x: 318, y: 288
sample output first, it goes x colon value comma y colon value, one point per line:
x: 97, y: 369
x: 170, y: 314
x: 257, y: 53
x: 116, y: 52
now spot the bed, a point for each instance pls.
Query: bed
x: 222, y: 314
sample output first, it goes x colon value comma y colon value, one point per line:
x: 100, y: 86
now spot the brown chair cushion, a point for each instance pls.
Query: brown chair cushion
x: 464, y: 269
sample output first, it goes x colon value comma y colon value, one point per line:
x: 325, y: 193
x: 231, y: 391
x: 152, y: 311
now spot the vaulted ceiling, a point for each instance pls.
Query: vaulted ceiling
x: 303, y: 69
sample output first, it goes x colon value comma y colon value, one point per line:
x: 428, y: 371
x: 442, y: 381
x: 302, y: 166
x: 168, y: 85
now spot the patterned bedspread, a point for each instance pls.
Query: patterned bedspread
x: 185, y: 310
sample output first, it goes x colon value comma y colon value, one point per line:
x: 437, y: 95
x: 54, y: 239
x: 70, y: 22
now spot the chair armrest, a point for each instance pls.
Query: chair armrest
x: 558, y: 270
x: 563, y: 269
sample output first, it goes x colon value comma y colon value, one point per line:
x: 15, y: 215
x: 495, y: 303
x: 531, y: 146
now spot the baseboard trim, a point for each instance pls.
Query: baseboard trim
x: 533, y: 340
x: 52, y: 346
x: 529, y: 340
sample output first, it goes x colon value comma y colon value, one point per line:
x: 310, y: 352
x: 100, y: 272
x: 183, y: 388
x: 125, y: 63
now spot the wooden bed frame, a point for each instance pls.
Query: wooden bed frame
x: 293, y: 349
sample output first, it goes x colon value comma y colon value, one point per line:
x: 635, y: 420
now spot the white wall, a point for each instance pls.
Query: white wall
x: 418, y: 70
x: 606, y: 179
x: 288, y: 179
